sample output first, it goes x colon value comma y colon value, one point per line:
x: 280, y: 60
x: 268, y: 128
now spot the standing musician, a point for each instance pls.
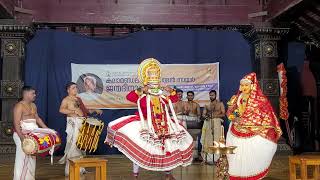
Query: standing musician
x: 25, y: 119
x: 179, y: 108
x: 213, y: 114
x: 192, y: 116
x: 192, y: 108
x: 73, y: 107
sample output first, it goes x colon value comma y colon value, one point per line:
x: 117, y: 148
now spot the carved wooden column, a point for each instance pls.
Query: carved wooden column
x: 264, y: 41
x: 13, y: 39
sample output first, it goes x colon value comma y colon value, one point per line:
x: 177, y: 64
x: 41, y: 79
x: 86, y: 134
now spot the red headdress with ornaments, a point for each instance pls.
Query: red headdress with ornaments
x: 258, y: 116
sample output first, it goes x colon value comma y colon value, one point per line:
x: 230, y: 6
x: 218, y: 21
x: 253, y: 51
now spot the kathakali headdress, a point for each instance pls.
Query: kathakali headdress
x: 149, y: 72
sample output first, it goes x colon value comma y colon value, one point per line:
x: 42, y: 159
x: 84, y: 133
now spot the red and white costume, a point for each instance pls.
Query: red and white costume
x: 153, y: 141
x: 255, y: 135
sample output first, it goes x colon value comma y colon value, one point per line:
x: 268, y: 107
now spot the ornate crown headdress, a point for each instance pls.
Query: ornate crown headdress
x: 149, y: 71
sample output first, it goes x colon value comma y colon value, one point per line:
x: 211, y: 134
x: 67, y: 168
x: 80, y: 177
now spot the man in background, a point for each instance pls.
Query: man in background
x: 192, y: 108
x: 25, y: 119
x: 194, y: 125
x: 211, y: 130
x: 179, y: 108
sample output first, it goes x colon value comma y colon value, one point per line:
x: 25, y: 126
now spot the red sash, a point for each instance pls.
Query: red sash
x: 83, y: 108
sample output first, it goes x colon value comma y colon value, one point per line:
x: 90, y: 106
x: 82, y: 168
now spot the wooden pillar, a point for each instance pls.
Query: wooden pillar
x: 13, y: 39
x: 315, y: 67
x: 264, y: 42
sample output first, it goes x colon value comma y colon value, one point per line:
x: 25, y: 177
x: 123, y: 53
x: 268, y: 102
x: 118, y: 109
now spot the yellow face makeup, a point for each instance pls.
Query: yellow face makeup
x: 245, y: 88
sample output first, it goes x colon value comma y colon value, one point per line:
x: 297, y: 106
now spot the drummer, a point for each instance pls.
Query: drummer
x: 25, y: 117
x: 73, y: 107
x: 179, y: 108
x: 192, y: 115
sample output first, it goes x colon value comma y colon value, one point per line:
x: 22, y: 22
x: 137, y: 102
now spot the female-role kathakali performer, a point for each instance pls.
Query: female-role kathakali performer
x: 254, y: 129
x: 151, y: 139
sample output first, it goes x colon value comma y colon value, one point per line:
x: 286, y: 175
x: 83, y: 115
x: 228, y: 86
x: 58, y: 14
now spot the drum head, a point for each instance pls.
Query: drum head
x: 93, y: 121
x: 29, y: 146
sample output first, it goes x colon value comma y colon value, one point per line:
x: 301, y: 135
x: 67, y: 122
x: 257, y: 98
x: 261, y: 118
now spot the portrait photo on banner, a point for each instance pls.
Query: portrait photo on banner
x: 90, y: 86
x: 105, y: 86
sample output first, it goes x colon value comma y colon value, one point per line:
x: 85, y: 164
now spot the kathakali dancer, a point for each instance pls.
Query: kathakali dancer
x: 151, y: 139
x: 26, y: 120
x: 254, y: 129
x: 73, y: 107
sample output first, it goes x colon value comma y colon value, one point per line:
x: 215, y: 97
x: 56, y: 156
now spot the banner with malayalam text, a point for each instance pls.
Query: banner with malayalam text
x: 105, y: 86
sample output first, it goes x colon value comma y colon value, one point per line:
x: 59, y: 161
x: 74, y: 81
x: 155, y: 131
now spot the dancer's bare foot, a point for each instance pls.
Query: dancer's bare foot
x: 170, y: 177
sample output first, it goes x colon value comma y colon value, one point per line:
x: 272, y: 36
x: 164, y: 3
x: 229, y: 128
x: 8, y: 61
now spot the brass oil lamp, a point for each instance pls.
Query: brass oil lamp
x: 222, y: 165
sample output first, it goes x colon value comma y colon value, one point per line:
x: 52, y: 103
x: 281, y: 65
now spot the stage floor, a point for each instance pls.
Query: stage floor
x: 119, y: 168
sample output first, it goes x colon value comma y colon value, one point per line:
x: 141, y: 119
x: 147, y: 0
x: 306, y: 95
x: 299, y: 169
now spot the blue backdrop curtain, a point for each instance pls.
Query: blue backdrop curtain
x: 50, y: 52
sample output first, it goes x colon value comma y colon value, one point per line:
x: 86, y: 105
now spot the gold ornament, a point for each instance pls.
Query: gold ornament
x: 9, y: 89
x: 9, y: 131
x: 10, y: 47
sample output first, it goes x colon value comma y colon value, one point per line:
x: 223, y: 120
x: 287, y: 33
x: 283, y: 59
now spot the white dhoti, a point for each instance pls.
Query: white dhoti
x: 252, y: 157
x: 211, y: 131
x: 25, y: 165
x: 71, y: 150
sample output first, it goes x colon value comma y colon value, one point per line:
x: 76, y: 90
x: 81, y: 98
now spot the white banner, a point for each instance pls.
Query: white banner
x: 105, y: 86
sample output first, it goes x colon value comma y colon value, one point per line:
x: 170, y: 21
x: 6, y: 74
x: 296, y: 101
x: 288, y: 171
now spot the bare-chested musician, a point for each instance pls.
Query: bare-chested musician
x: 194, y: 125
x: 211, y: 130
x: 25, y: 119
x: 73, y: 107
x: 179, y: 108
x: 192, y: 108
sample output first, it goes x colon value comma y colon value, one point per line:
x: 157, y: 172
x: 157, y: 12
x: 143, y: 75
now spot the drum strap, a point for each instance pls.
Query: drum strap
x: 83, y: 108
